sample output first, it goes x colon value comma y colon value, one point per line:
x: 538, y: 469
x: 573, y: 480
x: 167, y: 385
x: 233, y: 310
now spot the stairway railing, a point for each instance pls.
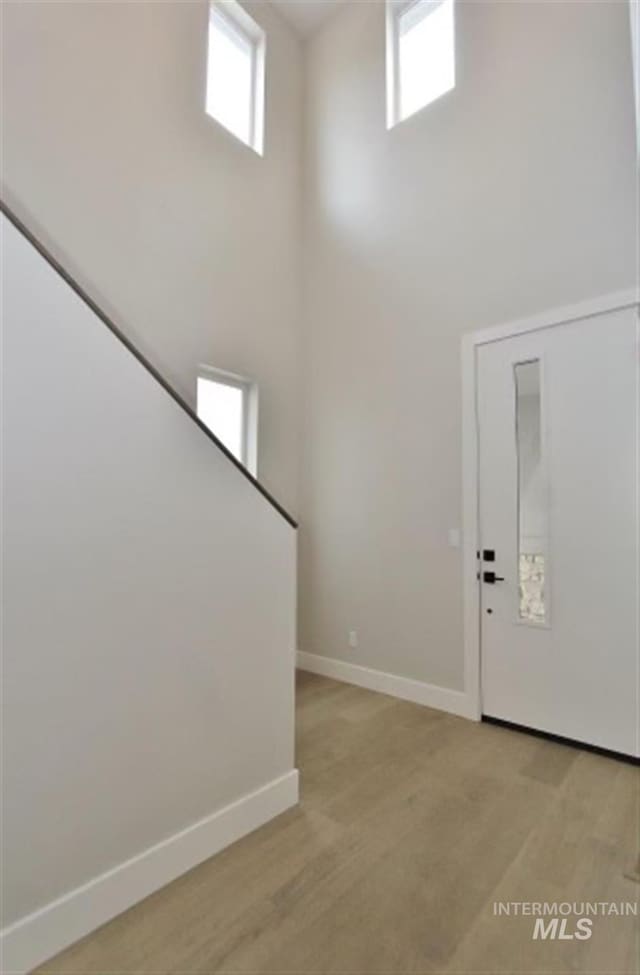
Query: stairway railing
x: 142, y: 359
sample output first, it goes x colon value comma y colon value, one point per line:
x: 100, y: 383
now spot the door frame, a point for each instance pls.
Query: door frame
x: 471, y: 342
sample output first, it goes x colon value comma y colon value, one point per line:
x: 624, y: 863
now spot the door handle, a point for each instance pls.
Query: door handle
x: 491, y: 578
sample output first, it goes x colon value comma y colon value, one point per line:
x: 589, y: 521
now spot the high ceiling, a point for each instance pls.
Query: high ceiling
x: 306, y: 15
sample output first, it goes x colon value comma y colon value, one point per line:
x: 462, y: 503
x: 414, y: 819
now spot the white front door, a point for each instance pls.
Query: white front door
x: 558, y: 505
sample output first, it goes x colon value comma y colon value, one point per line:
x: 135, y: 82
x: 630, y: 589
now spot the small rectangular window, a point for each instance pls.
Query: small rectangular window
x: 420, y: 55
x: 533, y: 503
x: 228, y: 405
x: 235, y: 72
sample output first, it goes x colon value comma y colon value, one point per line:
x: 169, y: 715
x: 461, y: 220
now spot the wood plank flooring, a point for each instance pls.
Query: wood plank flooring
x: 412, y: 824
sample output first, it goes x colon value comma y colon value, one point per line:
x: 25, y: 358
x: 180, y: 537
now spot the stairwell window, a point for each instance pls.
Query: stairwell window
x: 235, y: 72
x: 228, y: 405
x: 420, y: 55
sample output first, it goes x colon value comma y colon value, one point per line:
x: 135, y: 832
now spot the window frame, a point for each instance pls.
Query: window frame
x: 395, y: 11
x: 249, y: 390
x: 239, y: 25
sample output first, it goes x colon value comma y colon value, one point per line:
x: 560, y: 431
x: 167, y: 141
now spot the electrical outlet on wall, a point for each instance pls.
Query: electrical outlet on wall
x: 353, y: 639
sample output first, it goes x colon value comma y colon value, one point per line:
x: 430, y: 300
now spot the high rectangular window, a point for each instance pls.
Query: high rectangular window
x: 420, y: 55
x: 235, y: 72
x: 228, y: 405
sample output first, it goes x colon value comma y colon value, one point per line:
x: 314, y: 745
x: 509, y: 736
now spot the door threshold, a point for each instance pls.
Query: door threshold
x: 560, y: 740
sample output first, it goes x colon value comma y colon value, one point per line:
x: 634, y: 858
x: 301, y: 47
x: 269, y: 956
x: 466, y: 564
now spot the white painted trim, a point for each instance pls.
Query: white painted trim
x: 471, y: 528
x: 471, y: 523
x: 41, y: 935
x: 555, y: 316
x: 430, y: 695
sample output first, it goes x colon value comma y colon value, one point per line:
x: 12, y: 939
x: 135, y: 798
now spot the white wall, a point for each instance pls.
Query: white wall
x: 514, y: 193
x: 149, y: 614
x: 189, y: 238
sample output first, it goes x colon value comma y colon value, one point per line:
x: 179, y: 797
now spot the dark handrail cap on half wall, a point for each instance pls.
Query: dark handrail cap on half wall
x: 119, y: 334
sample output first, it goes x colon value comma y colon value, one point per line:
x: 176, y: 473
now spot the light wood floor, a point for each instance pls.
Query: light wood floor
x: 412, y: 823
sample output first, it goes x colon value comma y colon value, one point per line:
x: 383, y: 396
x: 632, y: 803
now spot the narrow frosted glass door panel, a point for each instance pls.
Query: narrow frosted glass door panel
x: 533, y: 518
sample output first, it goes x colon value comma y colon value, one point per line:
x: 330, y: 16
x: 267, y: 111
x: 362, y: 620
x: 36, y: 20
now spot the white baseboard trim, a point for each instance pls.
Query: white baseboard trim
x: 430, y: 695
x: 41, y: 935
